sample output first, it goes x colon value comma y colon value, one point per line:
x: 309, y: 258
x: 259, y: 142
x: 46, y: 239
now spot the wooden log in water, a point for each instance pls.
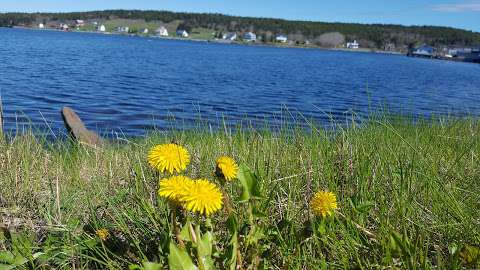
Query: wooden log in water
x: 77, y: 129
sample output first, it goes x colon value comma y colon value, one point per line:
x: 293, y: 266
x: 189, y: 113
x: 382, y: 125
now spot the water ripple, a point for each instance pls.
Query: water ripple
x: 124, y: 85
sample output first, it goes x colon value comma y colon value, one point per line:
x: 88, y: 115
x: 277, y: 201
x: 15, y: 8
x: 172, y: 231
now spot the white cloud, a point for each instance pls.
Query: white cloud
x: 473, y: 6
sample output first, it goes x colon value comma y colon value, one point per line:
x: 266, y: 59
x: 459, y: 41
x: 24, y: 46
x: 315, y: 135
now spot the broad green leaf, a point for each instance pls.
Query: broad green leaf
x: 232, y: 224
x: 204, y: 249
x: 7, y: 257
x: 178, y: 259
x: 7, y: 267
x: 249, y: 184
x: 38, y: 255
x: 151, y: 266
x: 254, y: 236
x: 19, y: 260
x: 231, y: 254
x: 185, y: 232
x: 134, y: 267
x: 205, y: 245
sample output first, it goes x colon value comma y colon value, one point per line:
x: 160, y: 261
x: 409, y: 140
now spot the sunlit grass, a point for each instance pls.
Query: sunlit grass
x: 408, y: 195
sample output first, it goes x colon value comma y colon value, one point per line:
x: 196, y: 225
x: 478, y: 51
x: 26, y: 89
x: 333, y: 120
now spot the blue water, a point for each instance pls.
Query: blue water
x: 129, y: 85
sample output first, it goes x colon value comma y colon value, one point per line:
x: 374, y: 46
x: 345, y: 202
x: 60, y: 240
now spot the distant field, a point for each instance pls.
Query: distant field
x: 408, y: 198
x: 135, y: 25
x: 202, y: 33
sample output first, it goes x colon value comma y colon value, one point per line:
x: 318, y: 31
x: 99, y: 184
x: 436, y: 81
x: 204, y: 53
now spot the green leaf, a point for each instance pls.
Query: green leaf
x: 254, y: 236
x: 7, y: 267
x: 134, y: 267
x: 7, y: 257
x: 249, y: 184
x: 146, y: 266
x: 232, y: 224
x: 204, y: 249
x: 185, y: 232
x: 178, y: 259
x: 205, y: 245
x: 151, y: 266
x: 231, y: 254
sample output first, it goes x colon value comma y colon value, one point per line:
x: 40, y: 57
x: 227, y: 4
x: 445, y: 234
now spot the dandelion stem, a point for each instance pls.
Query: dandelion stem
x: 176, y: 230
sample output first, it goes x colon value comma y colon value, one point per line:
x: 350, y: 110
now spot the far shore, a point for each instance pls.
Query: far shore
x: 221, y: 41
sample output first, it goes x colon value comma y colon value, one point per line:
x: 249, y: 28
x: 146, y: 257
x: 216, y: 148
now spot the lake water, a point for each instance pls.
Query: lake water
x: 128, y: 85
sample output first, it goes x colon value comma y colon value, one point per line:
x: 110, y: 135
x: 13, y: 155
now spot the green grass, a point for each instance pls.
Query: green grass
x: 202, y: 33
x: 408, y: 196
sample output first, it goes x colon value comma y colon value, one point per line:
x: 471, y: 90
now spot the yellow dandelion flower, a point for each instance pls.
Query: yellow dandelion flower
x: 226, y: 168
x: 324, y: 203
x: 174, y: 187
x: 203, y: 197
x: 169, y: 157
x: 103, y: 234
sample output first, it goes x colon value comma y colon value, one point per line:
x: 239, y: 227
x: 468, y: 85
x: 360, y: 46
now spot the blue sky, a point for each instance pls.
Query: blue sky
x: 456, y: 13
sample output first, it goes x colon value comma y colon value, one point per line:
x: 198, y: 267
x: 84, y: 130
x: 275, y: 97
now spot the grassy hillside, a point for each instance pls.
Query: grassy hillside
x: 408, y: 197
x: 394, y: 37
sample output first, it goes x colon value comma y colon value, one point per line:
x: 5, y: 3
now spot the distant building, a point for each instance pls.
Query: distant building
x: 250, y: 37
x: 389, y: 47
x: 230, y: 36
x: 455, y: 52
x: 80, y: 23
x: 182, y: 33
x: 465, y: 54
x: 143, y: 31
x: 353, y: 45
x: 123, y: 29
x: 162, y: 31
x: 101, y: 28
x: 64, y: 27
x: 281, y: 39
x: 41, y: 26
x: 423, y: 51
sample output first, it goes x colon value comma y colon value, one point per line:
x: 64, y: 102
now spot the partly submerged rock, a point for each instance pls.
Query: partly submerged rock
x: 77, y: 129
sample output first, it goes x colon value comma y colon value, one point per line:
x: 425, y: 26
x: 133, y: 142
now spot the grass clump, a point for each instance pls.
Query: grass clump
x: 407, y: 196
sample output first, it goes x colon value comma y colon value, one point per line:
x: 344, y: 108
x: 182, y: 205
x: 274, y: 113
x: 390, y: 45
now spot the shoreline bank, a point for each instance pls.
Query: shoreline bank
x: 219, y: 41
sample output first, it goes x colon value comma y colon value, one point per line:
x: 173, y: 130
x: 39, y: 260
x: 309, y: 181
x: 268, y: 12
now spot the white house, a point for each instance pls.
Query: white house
x: 424, y: 51
x: 101, y: 28
x: 353, y: 45
x: 230, y: 36
x: 64, y: 27
x: 123, y: 29
x: 162, y: 31
x: 80, y: 23
x: 41, y: 26
x: 250, y: 37
x: 182, y: 33
x: 143, y: 31
x: 281, y: 39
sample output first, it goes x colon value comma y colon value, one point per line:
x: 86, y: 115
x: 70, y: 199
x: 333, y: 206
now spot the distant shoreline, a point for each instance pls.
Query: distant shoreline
x: 217, y: 41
